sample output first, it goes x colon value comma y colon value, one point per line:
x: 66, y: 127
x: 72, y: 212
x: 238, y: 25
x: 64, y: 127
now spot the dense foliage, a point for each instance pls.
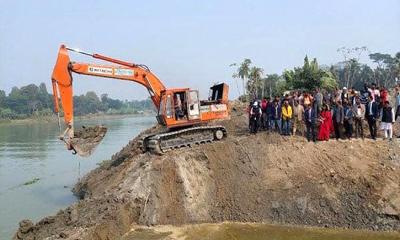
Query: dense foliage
x: 348, y: 73
x: 33, y: 100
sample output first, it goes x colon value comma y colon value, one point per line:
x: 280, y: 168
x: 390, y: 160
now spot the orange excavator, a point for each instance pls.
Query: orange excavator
x: 178, y: 109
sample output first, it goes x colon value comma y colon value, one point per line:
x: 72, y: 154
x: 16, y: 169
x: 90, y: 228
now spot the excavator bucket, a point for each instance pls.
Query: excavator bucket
x: 83, y: 141
x: 87, y: 139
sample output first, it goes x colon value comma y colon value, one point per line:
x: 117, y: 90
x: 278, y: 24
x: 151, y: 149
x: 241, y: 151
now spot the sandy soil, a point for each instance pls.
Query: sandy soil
x: 244, y: 178
x: 87, y: 138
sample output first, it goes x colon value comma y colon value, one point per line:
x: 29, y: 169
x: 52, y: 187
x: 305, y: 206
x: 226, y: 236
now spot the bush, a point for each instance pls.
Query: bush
x: 7, y: 113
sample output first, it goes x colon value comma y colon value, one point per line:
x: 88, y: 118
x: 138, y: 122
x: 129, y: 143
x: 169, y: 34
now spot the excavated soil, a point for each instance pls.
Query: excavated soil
x: 86, y: 139
x: 244, y: 178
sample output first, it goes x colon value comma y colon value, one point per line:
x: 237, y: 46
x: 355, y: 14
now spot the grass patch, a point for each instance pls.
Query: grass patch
x: 104, y: 163
x: 35, y: 180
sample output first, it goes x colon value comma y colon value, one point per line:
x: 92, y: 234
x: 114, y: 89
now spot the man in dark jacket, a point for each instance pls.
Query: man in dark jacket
x: 348, y: 119
x: 309, y: 119
x: 387, y: 120
x: 338, y: 119
x: 276, y: 116
x: 270, y: 108
x: 255, y: 115
x: 371, y: 114
x: 364, y: 95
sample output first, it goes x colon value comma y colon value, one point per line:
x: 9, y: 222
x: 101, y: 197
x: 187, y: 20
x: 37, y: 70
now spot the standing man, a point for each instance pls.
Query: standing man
x: 286, y: 117
x: 359, y: 113
x: 270, y: 108
x: 344, y: 95
x: 387, y: 120
x: 276, y: 116
x: 264, y: 104
x: 319, y: 100
x: 348, y: 120
x: 364, y: 94
x: 309, y: 119
x: 397, y: 104
x: 338, y: 119
x: 374, y: 92
x: 298, y: 112
x: 371, y: 114
x: 255, y: 114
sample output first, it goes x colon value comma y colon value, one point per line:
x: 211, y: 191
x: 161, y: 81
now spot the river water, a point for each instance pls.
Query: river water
x: 37, y: 174
x: 32, y: 151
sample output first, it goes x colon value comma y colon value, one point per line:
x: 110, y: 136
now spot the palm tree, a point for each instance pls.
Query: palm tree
x: 254, y: 82
x: 244, y: 72
x: 235, y: 76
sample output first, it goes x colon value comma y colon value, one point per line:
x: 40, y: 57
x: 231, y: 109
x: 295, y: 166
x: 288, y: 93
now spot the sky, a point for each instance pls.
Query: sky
x: 187, y: 43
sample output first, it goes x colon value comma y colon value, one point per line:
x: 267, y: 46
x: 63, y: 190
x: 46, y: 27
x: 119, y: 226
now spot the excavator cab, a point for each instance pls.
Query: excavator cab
x: 182, y: 107
x: 179, y: 108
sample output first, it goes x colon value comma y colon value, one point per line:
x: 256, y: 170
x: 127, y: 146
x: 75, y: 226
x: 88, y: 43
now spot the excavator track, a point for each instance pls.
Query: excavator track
x: 160, y: 143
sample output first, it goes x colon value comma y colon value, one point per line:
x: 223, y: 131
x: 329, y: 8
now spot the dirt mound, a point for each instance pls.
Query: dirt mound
x: 245, y: 178
x: 87, y: 139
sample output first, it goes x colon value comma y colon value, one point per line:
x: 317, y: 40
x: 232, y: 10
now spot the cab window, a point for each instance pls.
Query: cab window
x: 168, y: 105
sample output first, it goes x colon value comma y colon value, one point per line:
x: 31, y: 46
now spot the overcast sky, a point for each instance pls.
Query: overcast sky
x: 186, y: 43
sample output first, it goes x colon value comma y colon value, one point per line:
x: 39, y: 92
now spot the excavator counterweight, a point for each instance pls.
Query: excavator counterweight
x: 180, y: 110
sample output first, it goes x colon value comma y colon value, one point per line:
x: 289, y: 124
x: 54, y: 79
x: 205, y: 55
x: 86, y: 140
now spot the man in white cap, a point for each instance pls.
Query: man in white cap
x: 345, y: 94
x: 255, y: 114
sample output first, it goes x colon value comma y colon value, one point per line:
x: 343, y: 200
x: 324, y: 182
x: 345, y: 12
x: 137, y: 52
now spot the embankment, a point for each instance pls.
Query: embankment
x: 245, y: 178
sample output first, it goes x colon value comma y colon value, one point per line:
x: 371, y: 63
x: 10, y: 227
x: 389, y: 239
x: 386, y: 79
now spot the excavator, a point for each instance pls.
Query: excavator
x: 183, y: 116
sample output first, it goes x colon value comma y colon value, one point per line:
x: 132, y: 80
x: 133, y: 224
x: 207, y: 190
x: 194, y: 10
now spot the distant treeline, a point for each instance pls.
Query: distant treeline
x: 32, y: 101
x: 349, y: 72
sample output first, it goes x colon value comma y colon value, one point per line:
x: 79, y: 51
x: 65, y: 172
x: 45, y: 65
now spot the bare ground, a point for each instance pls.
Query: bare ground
x: 245, y: 178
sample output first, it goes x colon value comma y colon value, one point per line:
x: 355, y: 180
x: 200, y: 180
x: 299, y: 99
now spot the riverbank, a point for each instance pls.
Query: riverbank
x: 244, y: 178
x: 53, y: 118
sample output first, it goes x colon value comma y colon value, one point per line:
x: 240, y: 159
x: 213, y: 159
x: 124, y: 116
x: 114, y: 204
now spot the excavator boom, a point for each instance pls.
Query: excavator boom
x: 62, y: 78
x: 177, y: 108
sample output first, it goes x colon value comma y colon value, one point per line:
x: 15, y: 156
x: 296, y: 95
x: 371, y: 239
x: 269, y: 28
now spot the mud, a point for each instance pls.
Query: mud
x: 250, y: 231
x: 86, y: 139
x: 245, y: 178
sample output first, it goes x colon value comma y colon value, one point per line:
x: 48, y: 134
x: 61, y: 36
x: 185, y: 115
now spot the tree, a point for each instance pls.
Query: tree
x: 44, y: 97
x: 360, y: 74
x: 328, y: 81
x: 17, y: 101
x: 351, y: 63
x: 386, y: 70
x: 3, y: 98
x: 110, y: 103
x: 243, y: 73
x: 308, y: 77
x: 365, y: 76
x: 35, y: 100
x: 270, y: 84
x: 397, y: 66
x: 254, y: 83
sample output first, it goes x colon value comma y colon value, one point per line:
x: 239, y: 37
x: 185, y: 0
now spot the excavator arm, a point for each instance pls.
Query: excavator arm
x: 117, y: 69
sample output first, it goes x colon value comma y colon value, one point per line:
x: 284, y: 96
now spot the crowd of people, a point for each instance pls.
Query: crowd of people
x: 320, y: 114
